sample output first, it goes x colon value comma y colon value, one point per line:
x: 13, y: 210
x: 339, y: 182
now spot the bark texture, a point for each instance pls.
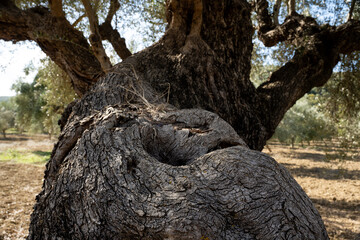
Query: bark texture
x: 137, y: 173
x: 204, y: 60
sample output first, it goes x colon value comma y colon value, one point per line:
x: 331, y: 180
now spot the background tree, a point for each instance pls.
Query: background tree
x: 57, y: 94
x: 7, y: 116
x: 340, y: 102
x: 39, y: 104
x: 29, y: 102
x: 128, y: 164
x: 304, y: 122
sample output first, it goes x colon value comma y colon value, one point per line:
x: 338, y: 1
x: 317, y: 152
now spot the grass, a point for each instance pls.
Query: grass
x: 32, y: 157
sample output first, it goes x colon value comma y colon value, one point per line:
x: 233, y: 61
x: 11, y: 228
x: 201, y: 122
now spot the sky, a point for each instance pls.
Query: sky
x: 13, y: 59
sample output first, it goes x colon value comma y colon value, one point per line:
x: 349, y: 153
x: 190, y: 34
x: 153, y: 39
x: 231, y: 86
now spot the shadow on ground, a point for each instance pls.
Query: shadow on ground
x: 325, y: 153
x: 324, y: 173
x: 338, y: 204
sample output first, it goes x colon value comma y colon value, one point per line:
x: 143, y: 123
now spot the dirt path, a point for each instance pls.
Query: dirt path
x: 19, y: 184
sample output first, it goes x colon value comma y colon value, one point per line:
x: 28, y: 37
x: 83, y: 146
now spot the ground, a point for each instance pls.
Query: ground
x: 332, y: 184
x: 20, y: 182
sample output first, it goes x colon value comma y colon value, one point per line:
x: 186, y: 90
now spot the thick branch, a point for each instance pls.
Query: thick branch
x: 318, y: 49
x: 112, y: 35
x: 65, y: 45
x: 276, y: 10
x: 56, y: 8
x: 262, y: 14
x: 95, y: 38
x: 294, y: 27
x: 347, y: 37
x: 291, y: 7
x: 311, y: 67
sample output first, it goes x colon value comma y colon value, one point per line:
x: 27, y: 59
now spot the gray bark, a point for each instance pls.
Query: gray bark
x: 137, y: 173
x: 130, y: 167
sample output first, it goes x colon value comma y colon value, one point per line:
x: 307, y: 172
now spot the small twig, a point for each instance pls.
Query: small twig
x: 268, y: 148
x: 78, y: 20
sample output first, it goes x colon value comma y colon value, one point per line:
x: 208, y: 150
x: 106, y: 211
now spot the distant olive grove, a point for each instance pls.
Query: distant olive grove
x: 7, y: 115
x: 38, y: 105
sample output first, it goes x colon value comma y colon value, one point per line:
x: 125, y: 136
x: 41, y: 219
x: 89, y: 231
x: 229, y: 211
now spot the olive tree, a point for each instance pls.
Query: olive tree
x: 165, y: 144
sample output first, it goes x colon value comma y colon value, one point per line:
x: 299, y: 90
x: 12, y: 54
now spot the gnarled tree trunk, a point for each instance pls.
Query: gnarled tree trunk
x: 137, y: 172
x: 130, y: 163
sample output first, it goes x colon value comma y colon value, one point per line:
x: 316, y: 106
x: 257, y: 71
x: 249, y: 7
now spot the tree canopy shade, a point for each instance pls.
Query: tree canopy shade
x: 129, y: 164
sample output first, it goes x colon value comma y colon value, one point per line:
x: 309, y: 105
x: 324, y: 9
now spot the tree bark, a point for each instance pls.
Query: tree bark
x: 138, y: 173
x: 95, y: 38
x: 130, y: 165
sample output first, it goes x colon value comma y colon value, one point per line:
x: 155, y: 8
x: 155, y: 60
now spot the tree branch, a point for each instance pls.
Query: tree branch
x: 56, y: 8
x: 347, y: 37
x: 112, y: 35
x: 291, y: 7
x: 13, y: 26
x: 352, y: 6
x: 65, y: 45
x: 262, y: 15
x: 95, y: 38
x: 292, y: 29
x: 114, y: 6
x: 78, y: 20
x: 276, y: 10
x: 311, y: 67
